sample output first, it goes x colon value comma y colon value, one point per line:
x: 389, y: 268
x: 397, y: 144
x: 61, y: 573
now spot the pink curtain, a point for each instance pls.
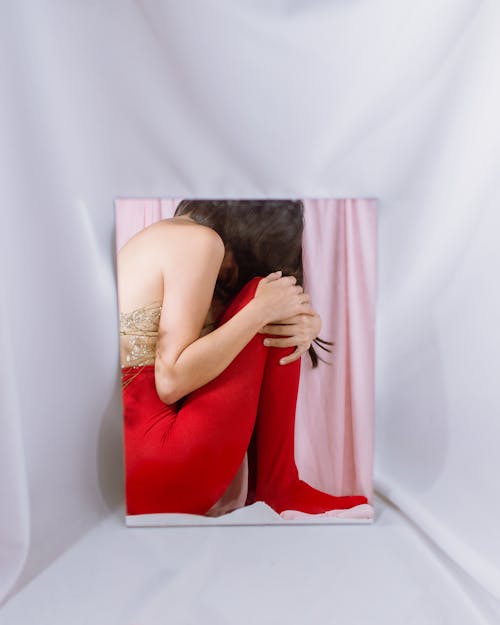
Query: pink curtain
x: 134, y: 214
x: 335, y: 409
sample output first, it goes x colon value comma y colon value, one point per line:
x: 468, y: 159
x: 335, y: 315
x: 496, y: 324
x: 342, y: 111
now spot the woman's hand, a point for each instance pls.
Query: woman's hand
x: 280, y: 298
x: 300, y: 331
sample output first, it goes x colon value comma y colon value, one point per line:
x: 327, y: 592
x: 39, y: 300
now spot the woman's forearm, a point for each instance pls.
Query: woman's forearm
x: 204, y: 359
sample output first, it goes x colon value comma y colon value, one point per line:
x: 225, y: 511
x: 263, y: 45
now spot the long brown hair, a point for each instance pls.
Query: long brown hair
x: 263, y: 235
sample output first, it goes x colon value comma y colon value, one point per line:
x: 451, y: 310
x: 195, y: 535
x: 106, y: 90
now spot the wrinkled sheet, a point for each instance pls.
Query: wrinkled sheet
x: 381, y: 573
x: 394, y: 100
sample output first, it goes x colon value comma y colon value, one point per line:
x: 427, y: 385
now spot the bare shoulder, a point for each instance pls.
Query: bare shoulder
x: 168, y: 251
x: 169, y: 237
x: 184, y: 236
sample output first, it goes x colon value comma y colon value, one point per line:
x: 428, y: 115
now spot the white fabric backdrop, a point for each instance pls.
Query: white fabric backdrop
x: 390, y: 99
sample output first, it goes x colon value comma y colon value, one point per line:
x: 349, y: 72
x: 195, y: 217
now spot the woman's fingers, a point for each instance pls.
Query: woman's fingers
x: 296, y: 324
x: 276, y: 275
x: 270, y: 327
x: 294, y: 320
x: 282, y: 330
x: 275, y: 342
x: 305, y: 308
x: 294, y: 356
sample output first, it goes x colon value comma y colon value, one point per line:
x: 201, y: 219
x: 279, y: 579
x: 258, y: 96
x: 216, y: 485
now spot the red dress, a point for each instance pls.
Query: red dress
x: 185, y: 457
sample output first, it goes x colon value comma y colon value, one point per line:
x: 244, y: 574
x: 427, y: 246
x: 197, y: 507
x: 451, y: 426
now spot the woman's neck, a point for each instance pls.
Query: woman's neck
x: 184, y: 217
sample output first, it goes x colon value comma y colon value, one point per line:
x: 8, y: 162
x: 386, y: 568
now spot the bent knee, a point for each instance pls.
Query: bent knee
x: 244, y: 295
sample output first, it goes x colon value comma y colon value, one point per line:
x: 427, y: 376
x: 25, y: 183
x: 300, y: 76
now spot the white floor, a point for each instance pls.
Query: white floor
x: 347, y: 574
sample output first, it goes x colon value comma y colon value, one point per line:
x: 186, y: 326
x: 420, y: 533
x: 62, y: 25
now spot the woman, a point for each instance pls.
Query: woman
x: 199, y: 384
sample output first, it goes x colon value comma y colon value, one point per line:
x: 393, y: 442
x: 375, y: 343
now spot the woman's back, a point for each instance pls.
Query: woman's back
x: 140, y: 262
x: 141, y: 265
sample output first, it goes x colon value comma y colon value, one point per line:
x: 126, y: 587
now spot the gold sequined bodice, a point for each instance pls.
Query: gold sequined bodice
x: 139, y: 334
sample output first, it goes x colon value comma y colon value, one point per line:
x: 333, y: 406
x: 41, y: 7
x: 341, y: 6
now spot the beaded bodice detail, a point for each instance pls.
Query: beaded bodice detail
x: 139, y: 334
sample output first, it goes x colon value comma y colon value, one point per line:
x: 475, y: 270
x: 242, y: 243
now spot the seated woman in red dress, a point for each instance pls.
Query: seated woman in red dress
x: 199, y: 384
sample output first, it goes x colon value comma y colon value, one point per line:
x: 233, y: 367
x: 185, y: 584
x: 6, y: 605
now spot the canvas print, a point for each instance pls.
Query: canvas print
x: 246, y: 331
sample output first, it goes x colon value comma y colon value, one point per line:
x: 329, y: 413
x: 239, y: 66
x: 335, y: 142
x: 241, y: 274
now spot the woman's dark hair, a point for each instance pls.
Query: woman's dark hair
x: 263, y: 235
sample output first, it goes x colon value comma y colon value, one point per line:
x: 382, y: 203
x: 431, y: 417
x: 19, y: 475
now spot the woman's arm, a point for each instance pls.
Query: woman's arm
x: 184, y: 361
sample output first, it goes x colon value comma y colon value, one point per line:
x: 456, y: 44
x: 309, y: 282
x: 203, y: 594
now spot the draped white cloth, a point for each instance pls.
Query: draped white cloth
x: 155, y: 98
